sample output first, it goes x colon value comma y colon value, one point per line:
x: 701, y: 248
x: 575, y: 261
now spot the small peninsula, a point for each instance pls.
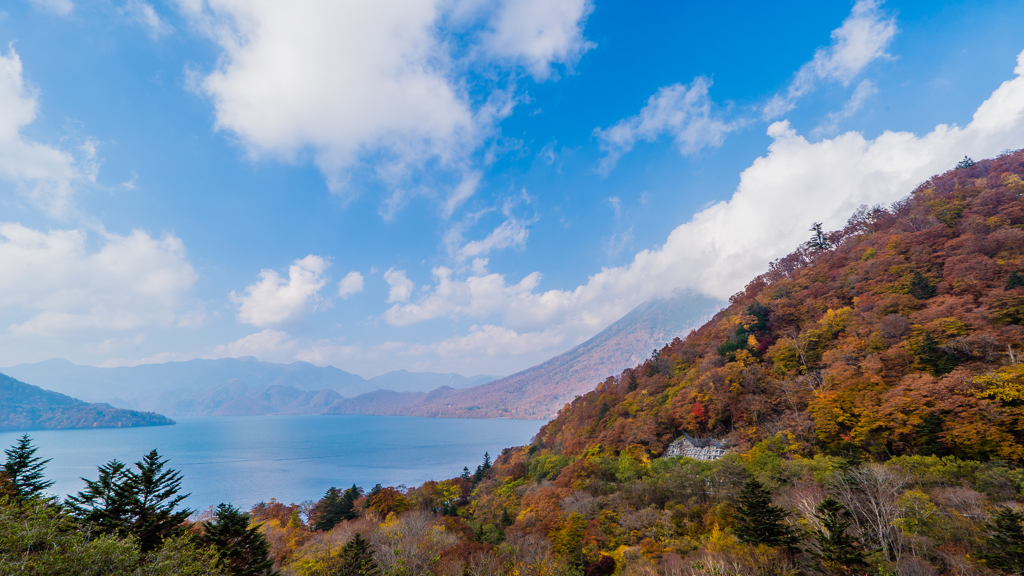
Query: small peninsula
x: 27, y: 407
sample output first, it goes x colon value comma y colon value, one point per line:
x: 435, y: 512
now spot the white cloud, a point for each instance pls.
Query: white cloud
x: 539, y: 33
x: 347, y: 82
x: 351, y: 284
x: 143, y: 13
x: 864, y: 90
x: 60, y: 7
x: 44, y: 174
x: 861, y: 39
x: 269, y: 345
x: 496, y: 342
x: 273, y: 300
x: 130, y: 281
x: 724, y: 246
x: 685, y: 112
x: 401, y: 287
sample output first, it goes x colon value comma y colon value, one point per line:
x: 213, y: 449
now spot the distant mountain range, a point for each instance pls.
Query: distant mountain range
x: 226, y: 386
x: 27, y: 407
x: 246, y: 386
x: 539, y: 392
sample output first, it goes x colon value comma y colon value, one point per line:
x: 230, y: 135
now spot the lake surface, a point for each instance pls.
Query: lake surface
x: 247, y: 459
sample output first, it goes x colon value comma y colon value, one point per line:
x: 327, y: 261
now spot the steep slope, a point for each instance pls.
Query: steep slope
x: 901, y: 334
x: 539, y: 392
x: 27, y: 407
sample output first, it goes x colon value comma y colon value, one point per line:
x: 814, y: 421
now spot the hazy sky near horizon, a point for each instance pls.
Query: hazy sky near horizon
x: 451, y: 185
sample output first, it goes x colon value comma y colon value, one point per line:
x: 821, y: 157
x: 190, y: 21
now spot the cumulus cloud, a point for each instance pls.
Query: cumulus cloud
x: 268, y: 345
x: 348, y: 81
x: 683, y: 111
x: 351, y: 284
x: 130, y: 281
x: 861, y: 39
x: 401, y: 287
x: 59, y: 7
x: 44, y: 174
x: 722, y: 247
x: 143, y: 13
x: 274, y: 300
x: 539, y: 33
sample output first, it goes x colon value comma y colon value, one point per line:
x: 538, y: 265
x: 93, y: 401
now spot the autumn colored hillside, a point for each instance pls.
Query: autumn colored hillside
x: 899, y: 334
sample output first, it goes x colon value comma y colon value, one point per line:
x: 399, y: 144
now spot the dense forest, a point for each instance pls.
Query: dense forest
x: 869, y: 389
x: 27, y: 407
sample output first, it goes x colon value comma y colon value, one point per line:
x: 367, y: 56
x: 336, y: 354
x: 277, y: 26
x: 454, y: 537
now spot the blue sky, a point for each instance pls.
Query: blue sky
x: 450, y: 185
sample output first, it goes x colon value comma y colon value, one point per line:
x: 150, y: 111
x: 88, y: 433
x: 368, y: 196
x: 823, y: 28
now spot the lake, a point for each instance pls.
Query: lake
x: 247, y: 459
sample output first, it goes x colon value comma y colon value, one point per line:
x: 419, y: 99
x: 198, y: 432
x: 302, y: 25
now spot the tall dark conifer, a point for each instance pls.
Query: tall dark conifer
x: 837, y: 553
x: 24, y: 469
x: 760, y: 522
x: 357, y: 558
x: 140, y: 502
x: 1005, y: 542
x: 241, y: 547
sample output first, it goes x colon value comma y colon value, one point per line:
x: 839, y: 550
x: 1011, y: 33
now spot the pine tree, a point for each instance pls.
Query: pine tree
x: 1014, y: 280
x: 242, y: 548
x: 465, y: 473
x: 123, y: 501
x: 327, y: 511
x: 25, y: 470
x: 482, y: 468
x: 155, y: 492
x: 837, y: 553
x: 1005, y: 542
x: 105, y: 502
x: 965, y: 163
x: 759, y: 521
x: 819, y: 241
x: 357, y: 558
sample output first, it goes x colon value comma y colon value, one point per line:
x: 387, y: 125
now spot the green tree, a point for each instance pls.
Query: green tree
x: 965, y: 163
x: 335, y: 507
x: 241, y: 547
x: 482, y: 468
x: 357, y: 558
x: 759, y: 521
x: 141, y: 503
x: 25, y: 470
x: 1005, y: 542
x: 1014, y: 280
x: 837, y: 553
x: 819, y: 241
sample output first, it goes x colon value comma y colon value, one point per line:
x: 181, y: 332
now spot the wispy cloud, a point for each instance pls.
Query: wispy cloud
x: 861, y: 39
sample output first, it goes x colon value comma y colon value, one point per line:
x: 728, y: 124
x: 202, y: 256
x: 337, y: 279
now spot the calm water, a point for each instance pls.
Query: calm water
x: 247, y: 459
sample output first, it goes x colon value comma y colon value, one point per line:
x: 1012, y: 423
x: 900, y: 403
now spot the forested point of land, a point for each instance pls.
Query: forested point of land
x: 869, y: 387
x: 27, y: 407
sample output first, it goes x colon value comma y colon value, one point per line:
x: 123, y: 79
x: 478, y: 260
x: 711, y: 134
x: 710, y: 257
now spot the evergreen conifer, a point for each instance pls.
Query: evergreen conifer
x: 25, y: 470
x: 243, y: 550
x: 357, y: 558
x: 837, y: 553
x: 760, y: 522
x: 1005, y: 542
x: 141, y: 503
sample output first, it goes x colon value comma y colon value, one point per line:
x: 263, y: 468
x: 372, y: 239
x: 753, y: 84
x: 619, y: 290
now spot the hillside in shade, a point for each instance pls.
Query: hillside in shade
x: 27, y: 407
x: 539, y: 392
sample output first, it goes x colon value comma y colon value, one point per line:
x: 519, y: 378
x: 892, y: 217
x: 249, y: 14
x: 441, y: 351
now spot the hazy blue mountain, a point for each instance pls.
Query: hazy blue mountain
x: 227, y: 386
x: 27, y: 407
x: 405, y: 381
x: 539, y: 392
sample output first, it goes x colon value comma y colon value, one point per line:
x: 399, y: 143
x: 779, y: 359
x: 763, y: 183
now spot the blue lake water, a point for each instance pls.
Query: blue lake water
x: 247, y: 459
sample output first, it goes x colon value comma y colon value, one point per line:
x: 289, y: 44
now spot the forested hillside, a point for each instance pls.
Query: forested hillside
x: 870, y: 389
x: 27, y: 407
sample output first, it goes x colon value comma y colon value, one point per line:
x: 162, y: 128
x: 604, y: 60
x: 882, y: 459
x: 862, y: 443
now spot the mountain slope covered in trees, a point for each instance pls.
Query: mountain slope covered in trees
x: 870, y: 388
x: 27, y: 407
